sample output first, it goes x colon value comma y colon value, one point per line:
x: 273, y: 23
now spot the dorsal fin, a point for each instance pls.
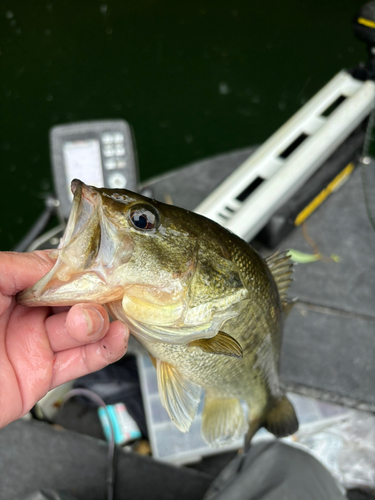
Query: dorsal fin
x: 281, y: 267
x: 287, y: 307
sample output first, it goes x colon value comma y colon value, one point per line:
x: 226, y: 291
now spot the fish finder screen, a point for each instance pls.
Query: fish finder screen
x: 83, y: 161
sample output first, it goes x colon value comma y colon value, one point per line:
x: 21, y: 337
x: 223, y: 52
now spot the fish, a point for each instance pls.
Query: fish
x: 207, y: 307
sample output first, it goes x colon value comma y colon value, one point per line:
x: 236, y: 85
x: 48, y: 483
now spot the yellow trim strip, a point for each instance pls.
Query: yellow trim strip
x: 318, y: 200
x: 366, y: 22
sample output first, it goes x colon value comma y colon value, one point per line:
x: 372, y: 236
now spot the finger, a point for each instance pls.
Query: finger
x: 82, y: 324
x: 21, y: 270
x: 29, y: 353
x: 9, y: 388
x: 80, y: 361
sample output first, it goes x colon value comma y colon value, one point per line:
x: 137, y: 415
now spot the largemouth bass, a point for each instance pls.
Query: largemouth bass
x: 205, y: 305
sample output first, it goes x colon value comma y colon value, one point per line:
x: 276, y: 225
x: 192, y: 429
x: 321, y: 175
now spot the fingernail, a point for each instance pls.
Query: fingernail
x: 94, y: 320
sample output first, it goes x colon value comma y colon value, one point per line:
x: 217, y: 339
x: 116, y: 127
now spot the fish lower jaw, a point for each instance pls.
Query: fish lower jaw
x: 51, y: 291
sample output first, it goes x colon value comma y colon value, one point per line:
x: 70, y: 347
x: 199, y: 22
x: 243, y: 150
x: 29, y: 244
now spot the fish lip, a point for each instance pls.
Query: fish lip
x: 76, y: 188
x: 80, y: 191
x: 25, y: 296
x: 68, y: 269
x: 75, y: 184
x: 54, y: 296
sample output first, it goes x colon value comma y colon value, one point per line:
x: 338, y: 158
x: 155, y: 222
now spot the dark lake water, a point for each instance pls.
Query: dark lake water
x: 194, y: 78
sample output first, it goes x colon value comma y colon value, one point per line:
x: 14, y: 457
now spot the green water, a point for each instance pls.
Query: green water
x: 194, y: 78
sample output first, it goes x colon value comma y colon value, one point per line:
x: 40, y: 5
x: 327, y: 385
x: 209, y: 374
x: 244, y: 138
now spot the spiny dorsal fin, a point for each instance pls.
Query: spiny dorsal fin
x: 222, y: 343
x: 282, y: 420
x: 179, y: 396
x: 223, y: 421
x: 287, y: 307
x: 281, y: 267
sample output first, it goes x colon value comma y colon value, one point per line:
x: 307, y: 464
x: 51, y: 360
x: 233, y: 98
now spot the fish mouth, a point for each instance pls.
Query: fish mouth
x: 89, y: 251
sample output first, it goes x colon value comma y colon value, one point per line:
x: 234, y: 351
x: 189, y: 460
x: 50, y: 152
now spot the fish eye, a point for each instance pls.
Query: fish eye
x: 144, y: 217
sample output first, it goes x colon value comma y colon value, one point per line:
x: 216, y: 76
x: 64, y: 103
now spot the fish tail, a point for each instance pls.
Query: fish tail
x: 282, y: 420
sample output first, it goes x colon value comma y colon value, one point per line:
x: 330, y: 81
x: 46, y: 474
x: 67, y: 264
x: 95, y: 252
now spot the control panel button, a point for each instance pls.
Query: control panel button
x: 121, y: 163
x: 108, y: 151
x: 120, y: 151
x: 117, y: 180
x: 118, y: 138
x: 110, y: 164
x: 108, y: 138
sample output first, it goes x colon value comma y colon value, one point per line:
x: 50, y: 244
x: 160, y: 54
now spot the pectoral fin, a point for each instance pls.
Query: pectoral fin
x: 222, y: 343
x: 223, y: 421
x: 179, y: 396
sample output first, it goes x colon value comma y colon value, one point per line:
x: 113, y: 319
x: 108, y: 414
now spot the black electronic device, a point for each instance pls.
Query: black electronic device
x: 364, y: 24
x: 100, y: 153
x: 364, y: 30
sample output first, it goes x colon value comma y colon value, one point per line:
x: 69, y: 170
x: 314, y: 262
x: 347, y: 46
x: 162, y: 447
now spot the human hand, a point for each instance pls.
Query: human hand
x: 41, y: 348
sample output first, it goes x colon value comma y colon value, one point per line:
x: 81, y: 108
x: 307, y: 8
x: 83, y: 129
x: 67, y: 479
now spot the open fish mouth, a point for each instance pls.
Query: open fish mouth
x: 126, y: 251
x: 89, y: 252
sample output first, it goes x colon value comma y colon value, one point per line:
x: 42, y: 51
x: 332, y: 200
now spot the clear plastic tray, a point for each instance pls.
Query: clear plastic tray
x: 170, y: 445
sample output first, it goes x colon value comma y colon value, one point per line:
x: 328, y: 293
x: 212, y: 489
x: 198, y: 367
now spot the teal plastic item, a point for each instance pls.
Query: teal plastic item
x: 124, y: 427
